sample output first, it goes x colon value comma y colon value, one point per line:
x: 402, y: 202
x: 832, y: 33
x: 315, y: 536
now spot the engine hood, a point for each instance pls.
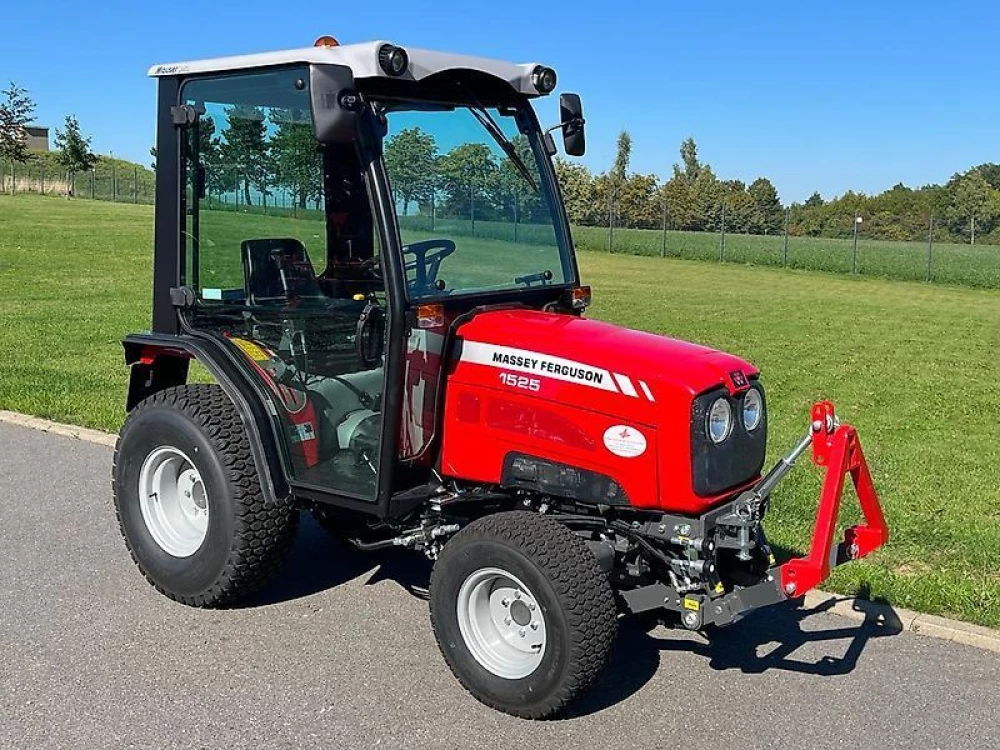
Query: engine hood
x: 632, y: 363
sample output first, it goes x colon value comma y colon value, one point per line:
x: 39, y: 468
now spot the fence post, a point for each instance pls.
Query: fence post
x: 41, y: 189
x: 93, y: 183
x: 930, y: 248
x: 663, y: 244
x: 722, y: 238
x: 788, y: 222
x: 114, y: 182
x: 135, y: 184
x: 611, y: 221
x: 854, y: 250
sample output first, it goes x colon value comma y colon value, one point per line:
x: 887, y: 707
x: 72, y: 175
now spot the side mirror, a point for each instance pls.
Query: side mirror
x: 571, y: 116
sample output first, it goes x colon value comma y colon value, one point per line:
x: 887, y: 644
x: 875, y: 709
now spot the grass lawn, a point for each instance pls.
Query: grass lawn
x: 913, y: 366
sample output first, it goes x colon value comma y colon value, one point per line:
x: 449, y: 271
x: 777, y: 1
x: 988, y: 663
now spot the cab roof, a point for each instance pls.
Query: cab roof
x: 362, y: 59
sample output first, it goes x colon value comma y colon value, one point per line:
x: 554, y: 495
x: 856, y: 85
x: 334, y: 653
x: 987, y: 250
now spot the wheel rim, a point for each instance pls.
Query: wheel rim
x: 502, y: 623
x: 173, y: 501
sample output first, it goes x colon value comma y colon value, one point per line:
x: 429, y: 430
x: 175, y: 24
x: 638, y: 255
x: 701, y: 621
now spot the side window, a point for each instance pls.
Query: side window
x: 254, y: 172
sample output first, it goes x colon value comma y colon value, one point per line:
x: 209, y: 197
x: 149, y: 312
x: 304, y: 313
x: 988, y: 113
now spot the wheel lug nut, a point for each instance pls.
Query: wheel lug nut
x: 534, y: 625
x: 531, y: 606
x: 517, y: 594
x: 521, y: 632
x: 506, y: 621
x: 505, y: 602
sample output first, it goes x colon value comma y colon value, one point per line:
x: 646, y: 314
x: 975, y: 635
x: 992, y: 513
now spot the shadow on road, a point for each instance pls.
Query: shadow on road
x: 764, y: 640
x: 319, y: 562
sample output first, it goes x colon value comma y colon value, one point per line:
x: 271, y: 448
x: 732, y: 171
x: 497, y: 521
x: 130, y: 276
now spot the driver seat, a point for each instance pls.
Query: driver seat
x: 278, y: 270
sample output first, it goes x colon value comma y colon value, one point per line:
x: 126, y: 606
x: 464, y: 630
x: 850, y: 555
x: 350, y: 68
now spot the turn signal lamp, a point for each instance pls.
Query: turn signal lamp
x: 326, y: 41
x: 430, y: 316
x: 579, y: 298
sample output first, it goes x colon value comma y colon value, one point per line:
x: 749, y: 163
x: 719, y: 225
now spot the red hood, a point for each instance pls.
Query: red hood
x: 652, y: 359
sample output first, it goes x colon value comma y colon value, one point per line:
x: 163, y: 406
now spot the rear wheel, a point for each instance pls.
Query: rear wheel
x: 189, y: 501
x: 522, y: 612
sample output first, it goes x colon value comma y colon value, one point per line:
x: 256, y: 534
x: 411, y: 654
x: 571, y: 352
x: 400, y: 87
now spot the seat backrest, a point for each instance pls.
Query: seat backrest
x: 278, y: 271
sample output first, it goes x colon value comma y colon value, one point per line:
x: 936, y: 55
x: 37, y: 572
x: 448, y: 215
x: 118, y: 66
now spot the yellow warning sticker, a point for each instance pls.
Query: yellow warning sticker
x: 251, y: 349
x: 719, y: 588
x: 770, y: 558
x: 692, y: 604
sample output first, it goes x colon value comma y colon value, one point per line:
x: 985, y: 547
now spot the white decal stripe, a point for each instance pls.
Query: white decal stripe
x: 645, y: 389
x: 625, y: 383
x: 523, y: 360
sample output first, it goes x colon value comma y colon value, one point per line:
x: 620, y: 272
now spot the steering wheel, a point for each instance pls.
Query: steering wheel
x: 426, y: 262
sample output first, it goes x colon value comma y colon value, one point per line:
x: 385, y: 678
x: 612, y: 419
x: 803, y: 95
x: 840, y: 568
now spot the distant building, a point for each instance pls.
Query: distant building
x: 38, y: 138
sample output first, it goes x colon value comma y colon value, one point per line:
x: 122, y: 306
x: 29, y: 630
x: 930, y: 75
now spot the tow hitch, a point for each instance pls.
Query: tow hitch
x: 737, y: 526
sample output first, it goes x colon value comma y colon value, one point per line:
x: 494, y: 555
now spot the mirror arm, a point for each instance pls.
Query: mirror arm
x: 576, y: 122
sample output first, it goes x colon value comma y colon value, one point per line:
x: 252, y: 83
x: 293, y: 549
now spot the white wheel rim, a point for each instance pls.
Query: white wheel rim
x: 502, y: 623
x: 173, y: 501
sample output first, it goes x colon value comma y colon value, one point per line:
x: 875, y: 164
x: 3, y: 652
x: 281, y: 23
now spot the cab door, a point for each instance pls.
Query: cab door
x: 258, y: 231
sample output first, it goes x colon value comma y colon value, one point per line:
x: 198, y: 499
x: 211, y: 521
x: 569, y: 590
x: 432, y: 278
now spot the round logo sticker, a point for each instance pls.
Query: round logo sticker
x: 624, y: 441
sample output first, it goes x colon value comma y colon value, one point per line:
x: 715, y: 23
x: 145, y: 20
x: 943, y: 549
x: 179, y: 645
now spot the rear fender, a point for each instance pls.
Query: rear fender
x: 159, y: 361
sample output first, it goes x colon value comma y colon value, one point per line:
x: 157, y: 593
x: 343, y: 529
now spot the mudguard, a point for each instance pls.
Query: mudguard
x: 159, y: 361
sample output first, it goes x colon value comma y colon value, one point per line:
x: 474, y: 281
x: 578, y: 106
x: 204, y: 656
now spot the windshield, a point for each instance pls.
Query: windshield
x: 473, y: 211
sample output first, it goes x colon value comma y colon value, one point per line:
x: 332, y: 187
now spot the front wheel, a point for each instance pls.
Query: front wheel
x: 522, y: 612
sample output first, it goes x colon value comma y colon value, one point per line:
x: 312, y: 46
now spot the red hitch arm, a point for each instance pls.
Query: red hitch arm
x: 837, y: 448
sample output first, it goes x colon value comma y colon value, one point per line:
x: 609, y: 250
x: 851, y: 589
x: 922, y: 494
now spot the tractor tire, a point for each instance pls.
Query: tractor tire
x: 522, y: 612
x: 189, y: 501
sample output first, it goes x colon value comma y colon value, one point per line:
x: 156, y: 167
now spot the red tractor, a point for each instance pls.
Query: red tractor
x: 366, y: 248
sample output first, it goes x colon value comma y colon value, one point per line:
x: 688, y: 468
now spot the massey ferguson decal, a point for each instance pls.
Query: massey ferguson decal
x: 567, y: 370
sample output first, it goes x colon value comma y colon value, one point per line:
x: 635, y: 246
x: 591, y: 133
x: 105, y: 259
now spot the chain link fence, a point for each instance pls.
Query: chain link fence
x: 935, y: 259
x: 938, y: 258
x: 108, y: 182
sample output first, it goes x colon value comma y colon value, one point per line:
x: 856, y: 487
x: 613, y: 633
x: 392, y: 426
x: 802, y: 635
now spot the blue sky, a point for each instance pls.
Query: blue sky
x: 816, y: 96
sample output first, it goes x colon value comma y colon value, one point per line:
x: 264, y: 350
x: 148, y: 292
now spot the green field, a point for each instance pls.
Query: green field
x: 913, y: 366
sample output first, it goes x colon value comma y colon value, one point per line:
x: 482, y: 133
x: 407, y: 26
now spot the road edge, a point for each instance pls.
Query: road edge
x: 933, y: 626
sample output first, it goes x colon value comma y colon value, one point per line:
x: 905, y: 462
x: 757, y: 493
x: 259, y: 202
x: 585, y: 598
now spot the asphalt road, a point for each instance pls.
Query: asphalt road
x: 339, y: 653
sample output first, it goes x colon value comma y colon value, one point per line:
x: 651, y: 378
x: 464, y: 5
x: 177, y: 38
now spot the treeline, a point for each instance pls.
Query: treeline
x: 965, y: 209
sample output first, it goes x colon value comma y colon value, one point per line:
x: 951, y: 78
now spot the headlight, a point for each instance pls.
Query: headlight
x: 720, y: 420
x: 753, y: 409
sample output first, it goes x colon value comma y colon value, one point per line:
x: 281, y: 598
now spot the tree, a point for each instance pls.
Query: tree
x: 689, y: 158
x: 769, y: 215
x: 296, y: 158
x: 469, y: 180
x: 623, y: 156
x: 411, y: 161
x: 577, y: 185
x: 814, y: 201
x: 244, y: 148
x: 974, y: 204
x: 74, y: 154
x: 16, y: 112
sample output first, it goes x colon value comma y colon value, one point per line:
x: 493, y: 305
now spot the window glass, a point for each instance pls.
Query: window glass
x: 473, y: 217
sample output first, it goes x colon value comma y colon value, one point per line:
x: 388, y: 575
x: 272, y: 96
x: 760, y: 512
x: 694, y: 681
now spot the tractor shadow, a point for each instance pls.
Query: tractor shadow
x: 765, y: 640
x: 318, y: 562
x: 768, y: 639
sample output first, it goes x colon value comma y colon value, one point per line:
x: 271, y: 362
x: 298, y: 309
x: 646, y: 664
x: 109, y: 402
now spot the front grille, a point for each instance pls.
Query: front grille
x: 737, y: 459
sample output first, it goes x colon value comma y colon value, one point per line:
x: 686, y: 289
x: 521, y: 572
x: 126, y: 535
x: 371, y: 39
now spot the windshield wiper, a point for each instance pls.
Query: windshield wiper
x: 487, y: 121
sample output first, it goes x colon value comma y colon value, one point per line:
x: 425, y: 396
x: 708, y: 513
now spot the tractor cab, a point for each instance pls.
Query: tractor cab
x: 325, y: 214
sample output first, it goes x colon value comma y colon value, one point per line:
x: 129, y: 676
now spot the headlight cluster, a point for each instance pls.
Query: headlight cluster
x: 719, y: 422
